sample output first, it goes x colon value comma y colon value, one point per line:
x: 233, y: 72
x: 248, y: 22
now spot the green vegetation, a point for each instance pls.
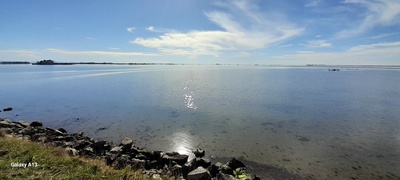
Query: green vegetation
x: 49, y: 162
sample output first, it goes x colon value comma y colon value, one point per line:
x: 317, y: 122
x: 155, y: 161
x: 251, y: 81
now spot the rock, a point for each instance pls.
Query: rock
x: 222, y: 176
x: 203, y: 162
x: 226, y: 169
x: 199, y: 174
x: 188, y: 167
x: 62, y: 130
x: 140, y: 156
x: 87, y: 151
x: 153, y: 164
x: 71, y: 151
x: 199, y: 153
x: 7, y: 130
x: 80, y: 144
x: 6, y: 123
x: 213, y: 169
x: 126, y: 142
x: 23, y: 124
x: 110, y: 158
x: 121, y: 162
x: 99, y: 147
x: 234, y: 163
x: 36, y: 124
x: 138, y: 164
x: 8, y: 109
x: 181, y: 159
x: 176, y: 171
x: 116, y: 150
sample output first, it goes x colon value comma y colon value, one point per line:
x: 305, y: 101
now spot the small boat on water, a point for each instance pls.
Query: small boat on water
x: 333, y: 69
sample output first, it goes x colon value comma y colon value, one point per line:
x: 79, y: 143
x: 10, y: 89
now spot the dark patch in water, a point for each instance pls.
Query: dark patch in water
x: 302, y: 138
x: 174, y: 114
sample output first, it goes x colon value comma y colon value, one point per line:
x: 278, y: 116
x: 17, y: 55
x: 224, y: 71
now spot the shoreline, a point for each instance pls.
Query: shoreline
x: 127, y: 153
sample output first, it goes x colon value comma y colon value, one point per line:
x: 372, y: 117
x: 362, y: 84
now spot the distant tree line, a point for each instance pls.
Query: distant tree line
x: 14, y: 62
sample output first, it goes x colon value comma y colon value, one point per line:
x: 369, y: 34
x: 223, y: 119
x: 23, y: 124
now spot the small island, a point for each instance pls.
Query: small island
x: 50, y: 62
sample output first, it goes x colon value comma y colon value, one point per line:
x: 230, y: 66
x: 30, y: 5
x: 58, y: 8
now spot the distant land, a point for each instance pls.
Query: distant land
x: 52, y: 62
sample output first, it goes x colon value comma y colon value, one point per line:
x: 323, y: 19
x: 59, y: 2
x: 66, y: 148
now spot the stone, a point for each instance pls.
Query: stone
x: 121, y: 162
x: 126, y: 142
x: 99, y: 147
x: 36, y: 124
x: 116, y: 150
x: 8, y: 109
x: 234, y: 163
x: 72, y: 151
x: 138, y: 164
x: 140, y: 156
x: 6, y: 124
x: 188, y: 167
x: 62, y: 130
x: 203, y: 162
x: 199, y: 174
x: 223, y: 176
x: 226, y: 169
x: 7, y: 130
x: 176, y: 171
x: 181, y: 159
x: 199, y: 153
x: 80, y: 144
x: 213, y: 169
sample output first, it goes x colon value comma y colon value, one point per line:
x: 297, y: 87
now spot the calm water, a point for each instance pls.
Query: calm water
x: 334, y: 125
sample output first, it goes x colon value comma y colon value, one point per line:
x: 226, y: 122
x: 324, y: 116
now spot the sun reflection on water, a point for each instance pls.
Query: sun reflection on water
x: 182, y: 143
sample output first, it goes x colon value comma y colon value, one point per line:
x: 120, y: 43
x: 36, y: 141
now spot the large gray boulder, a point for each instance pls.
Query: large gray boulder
x: 199, y: 174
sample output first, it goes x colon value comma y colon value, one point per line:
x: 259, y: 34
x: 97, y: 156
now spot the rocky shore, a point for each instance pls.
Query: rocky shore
x: 126, y: 154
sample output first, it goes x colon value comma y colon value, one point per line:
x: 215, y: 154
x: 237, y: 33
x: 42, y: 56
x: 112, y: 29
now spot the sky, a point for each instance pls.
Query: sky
x: 284, y: 32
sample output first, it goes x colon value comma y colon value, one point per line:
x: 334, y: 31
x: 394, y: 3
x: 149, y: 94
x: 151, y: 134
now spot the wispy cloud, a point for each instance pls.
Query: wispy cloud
x: 378, y: 13
x: 313, y: 3
x: 318, y: 44
x: 89, y: 38
x: 255, y: 30
x: 151, y: 28
x: 286, y: 45
x: 103, y: 53
x: 383, y: 35
x: 381, y: 53
x: 130, y: 29
x: 20, y: 53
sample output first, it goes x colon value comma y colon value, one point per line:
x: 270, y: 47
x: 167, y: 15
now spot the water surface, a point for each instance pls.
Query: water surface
x: 333, y: 125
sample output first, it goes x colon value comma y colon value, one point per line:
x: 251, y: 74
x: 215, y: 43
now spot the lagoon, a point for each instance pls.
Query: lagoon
x: 311, y: 121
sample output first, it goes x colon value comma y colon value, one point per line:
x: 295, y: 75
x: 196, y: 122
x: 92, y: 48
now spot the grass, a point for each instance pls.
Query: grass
x: 54, y: 163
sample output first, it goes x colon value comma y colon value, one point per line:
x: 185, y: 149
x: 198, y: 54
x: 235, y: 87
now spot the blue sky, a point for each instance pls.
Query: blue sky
x: 202, y: 31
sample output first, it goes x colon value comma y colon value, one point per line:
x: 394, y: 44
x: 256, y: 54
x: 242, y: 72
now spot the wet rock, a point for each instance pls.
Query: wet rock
x: 36, y: 124
x: 234, y: 163
x: 199, y: 153
x: 8, y: 109
x: 181, y: 159
x: 203, y: 162
x: 199, y: 174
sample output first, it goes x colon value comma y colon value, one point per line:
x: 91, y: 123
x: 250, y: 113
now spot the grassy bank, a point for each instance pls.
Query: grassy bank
x: 48, y: 162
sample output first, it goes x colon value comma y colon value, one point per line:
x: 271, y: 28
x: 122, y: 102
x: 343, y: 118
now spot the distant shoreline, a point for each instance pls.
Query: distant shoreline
x: 217, y: 64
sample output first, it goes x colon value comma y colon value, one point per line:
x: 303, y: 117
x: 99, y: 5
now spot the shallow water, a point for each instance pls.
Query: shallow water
x: 332, y: 125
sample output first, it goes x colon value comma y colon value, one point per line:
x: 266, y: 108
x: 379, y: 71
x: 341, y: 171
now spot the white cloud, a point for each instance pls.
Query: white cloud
x: 20, y: 53
x: 90, y: 38
x: 130, y: 29
x: 150, y: 28
x: 379, y: 13
x: 245, y: 28
x: 381, y: 53
x: 287, y: 45
x: 313, y: 3
x: 103, y: 53
x: 318, y: 44
x: 383, y: 35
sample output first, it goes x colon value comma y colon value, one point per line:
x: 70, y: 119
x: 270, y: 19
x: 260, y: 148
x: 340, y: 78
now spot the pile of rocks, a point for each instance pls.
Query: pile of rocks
x: 126, y: 154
